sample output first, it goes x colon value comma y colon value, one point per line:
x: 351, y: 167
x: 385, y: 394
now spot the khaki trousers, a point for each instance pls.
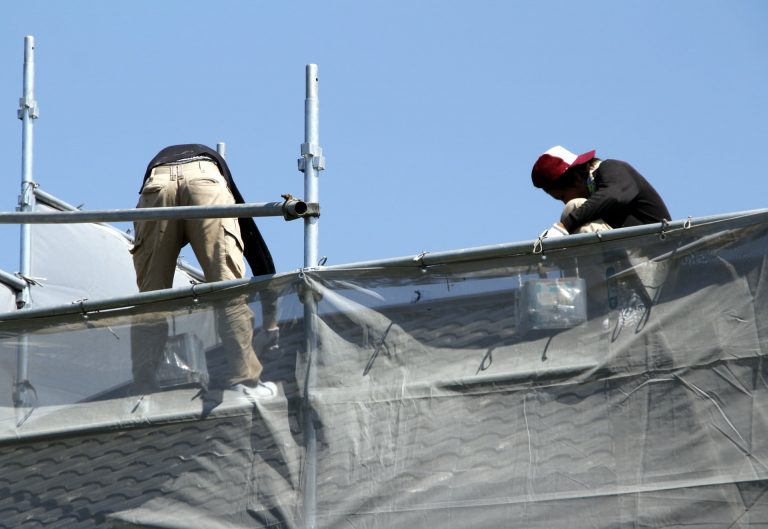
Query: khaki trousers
x: 219, y: 250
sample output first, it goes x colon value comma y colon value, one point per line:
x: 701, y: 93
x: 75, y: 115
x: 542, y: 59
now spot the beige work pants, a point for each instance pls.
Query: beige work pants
x: 219, y: 250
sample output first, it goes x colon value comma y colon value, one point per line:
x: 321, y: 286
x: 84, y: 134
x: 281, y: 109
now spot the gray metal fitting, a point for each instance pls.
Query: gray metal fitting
x: 311, y: 149
x: 318, y: 163
x: 296, y: 209
x: 30, y: 104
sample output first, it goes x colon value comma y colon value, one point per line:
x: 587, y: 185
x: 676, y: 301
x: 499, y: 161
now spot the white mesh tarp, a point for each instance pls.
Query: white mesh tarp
x: 611, y: 384
x: 71, y: 262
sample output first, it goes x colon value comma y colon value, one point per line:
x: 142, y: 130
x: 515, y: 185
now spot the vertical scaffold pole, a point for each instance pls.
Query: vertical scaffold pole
x: 27, y: 114
x: 310, y: 163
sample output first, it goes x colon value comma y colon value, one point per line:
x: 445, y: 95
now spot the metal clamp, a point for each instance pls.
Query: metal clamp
x: 314, y: 152
x: 311, y: 149
x: 318, y: 163
x: 26, y: 103
x: 27, y: 196
x: 294, y: 208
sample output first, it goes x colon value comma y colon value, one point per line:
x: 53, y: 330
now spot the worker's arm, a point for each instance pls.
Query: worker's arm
x: 615, y: 189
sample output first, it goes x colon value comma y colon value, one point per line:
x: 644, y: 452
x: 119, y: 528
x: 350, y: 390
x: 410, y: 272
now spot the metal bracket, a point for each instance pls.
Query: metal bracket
x: 294, y: 208
x: 318, y: 162
x: 313, y: 151
x: 28, y: 104
x: 26, y: 198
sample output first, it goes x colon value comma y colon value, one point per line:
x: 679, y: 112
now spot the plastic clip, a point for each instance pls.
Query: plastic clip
x: 664, y: 228
x: 420, y: 259
x: 81, y: 304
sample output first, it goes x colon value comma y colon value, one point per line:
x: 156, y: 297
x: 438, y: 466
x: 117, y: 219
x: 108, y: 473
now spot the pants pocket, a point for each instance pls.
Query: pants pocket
x: 205, y: 181
x: 151, y: 195
x: 234, y: 247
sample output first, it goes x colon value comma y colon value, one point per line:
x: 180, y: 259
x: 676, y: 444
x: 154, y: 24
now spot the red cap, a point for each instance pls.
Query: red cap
x: 552, y: 164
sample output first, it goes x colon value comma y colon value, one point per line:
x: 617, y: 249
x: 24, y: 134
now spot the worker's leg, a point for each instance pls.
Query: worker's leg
x: 219, y: 250
x: 156, y: 248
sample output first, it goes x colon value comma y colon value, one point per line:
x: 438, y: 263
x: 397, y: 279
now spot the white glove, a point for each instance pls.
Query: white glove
x: 555, y: 231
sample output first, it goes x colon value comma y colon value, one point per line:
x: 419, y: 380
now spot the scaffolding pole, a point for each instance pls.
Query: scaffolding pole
x: 290, y: 209
x: 27, y: 115
x: 310, y: 163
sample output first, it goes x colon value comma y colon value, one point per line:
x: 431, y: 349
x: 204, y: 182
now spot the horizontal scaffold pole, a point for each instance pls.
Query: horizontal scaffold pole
x: 12, y: 281
x: 290, y: 210
x: 87, y: 306
x: 425, y: 259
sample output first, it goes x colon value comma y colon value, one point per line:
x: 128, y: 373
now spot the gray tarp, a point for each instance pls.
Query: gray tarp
x: 613, y: 384
x: 71, y: 262
x: 7, y: 299
x: 75, y: 262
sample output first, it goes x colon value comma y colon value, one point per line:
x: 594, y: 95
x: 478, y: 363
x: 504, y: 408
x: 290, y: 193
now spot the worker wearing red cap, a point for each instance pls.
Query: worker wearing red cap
x: 610, y: 191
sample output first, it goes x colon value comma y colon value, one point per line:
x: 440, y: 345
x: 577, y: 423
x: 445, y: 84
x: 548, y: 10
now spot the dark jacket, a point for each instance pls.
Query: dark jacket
x: 622, y: 198
x: 256, y: 251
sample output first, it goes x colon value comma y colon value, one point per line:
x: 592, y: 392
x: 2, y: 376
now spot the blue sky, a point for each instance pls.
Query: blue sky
x: 432, y: 113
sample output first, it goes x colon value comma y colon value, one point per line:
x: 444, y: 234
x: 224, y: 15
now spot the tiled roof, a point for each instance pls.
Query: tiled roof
x: 91, y: 479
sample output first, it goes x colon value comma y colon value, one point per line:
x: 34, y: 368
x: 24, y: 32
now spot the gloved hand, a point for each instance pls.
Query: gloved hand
x: 266, y: 340
x: 557, y: 230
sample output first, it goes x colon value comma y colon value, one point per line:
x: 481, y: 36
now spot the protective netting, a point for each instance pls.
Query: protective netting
x: 71, y: 262
x: 611, y: 384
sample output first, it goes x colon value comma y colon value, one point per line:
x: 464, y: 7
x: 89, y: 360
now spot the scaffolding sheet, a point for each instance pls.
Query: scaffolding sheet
x: 613, y: 384
x: 72, y: 262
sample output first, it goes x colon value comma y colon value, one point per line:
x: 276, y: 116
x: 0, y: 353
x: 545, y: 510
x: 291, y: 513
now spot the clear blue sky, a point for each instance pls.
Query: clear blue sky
x: 432, y: 112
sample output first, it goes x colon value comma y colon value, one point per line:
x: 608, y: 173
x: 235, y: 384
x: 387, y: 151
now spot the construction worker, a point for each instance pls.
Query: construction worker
x: 610, y: 193
x: 195, y: 175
